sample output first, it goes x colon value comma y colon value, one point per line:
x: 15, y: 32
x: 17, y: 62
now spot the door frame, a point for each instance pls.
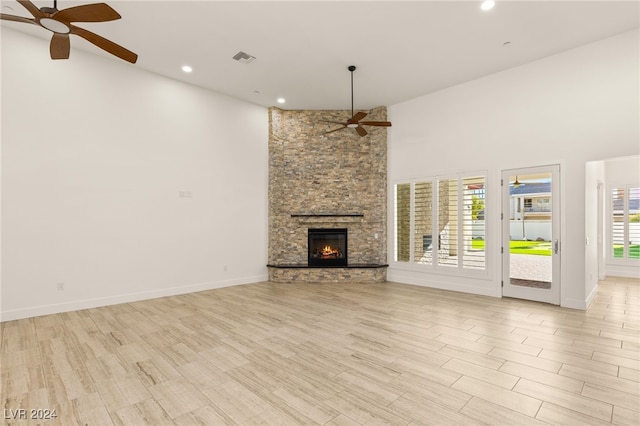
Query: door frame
x: 551, y: 295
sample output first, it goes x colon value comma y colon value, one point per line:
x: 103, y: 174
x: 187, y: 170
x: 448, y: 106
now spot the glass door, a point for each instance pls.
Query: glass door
x: 531, y: 234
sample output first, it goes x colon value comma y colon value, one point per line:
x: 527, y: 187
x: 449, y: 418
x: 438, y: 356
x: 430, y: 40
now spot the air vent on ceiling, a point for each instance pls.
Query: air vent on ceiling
x: 245, y: 58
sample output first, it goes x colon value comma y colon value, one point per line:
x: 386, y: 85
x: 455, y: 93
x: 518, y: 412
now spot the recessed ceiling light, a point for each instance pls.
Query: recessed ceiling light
x: 187, y: 68
x: 487, y: 5
x: 507, y: 44
x: 281, y: 100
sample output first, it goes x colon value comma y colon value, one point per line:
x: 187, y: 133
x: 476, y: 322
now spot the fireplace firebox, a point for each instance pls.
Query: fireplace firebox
x: 327, y: 247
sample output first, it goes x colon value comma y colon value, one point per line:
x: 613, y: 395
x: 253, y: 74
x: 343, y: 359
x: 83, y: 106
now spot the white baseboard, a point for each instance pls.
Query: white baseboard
x: 397, y: 276
x: 576, y: 303
x: 431, y: 281
x: 76, y: 305
x: 591, y: 296
x: 622, y: 271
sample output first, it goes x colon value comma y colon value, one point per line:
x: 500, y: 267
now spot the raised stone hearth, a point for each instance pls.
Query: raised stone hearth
x: 354, y: 273
x: 319, y: 180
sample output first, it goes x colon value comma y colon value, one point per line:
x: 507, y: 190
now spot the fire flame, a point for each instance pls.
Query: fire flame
x: 329, y: 251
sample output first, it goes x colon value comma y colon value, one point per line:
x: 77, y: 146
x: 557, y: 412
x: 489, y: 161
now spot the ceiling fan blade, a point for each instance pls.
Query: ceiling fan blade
x: 98, y: 12
x: 60, y: 46
x: 104, y: 44
x: 361, y: 131
x: 17, y: 19
x: 32, y: 8
x: 335, y: 130
x: 358, y: 116
x: 376, y: 123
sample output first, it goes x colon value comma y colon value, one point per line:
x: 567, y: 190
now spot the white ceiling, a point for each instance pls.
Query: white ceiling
x: 403, y: 49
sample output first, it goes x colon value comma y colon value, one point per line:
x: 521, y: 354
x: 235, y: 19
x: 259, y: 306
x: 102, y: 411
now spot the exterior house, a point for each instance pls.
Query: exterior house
x: 530, y: 211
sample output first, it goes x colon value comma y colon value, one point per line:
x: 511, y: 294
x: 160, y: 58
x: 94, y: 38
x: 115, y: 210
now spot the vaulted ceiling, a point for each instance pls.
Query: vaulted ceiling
x: 403, y: 49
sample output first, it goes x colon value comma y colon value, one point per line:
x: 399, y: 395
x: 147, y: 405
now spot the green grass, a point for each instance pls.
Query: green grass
x: 543, y: 248
x: 540, y: 248
x: 634, y: 251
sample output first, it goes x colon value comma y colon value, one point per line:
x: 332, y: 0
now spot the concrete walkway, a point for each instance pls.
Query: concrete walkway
x: 522, y: 266
x: 530, y: 267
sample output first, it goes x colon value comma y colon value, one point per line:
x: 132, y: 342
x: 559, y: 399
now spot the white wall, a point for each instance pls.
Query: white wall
x: 594, y: 226
x: 577, y: 106
x: 94, y: 156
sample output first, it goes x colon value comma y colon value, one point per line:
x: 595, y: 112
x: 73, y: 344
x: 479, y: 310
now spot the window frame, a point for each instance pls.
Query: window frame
x: 434, y: 266
x: 626, y: 213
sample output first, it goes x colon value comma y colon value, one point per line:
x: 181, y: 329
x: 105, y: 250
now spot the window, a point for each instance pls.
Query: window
x: 439, y: 222
x: 625, y: 223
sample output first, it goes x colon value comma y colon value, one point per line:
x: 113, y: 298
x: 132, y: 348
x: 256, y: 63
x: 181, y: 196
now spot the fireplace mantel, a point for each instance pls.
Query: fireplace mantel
x: 328, y: 215
x: 327, y: 220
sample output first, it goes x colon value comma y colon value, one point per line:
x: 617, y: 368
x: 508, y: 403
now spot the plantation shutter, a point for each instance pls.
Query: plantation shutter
x: 618, y: 209
x: 423, y: 227
x: 633, y: 223
x: 439, y: 223
x: 473, y: 225
x: 402, y: 220
x: 448, y: 222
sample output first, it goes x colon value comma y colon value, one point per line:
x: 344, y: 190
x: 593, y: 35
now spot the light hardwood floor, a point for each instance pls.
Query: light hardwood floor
x: 332, y: 354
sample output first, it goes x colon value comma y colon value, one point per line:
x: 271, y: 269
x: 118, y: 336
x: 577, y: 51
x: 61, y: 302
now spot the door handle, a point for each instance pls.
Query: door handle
x: 555, y: 246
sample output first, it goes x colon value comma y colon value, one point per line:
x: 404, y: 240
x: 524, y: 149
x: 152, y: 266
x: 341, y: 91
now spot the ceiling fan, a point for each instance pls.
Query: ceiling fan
x: 355, y: 121
x: 517, y: 183
x: 59, y: 22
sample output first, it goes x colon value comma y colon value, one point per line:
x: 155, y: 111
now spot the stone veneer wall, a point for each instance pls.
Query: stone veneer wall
x: 314, y: 173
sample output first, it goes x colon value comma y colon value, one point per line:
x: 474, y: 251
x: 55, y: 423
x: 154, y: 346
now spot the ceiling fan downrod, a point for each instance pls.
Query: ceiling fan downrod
x: 352, y: 68
x: 50, y: 10
x: 355, y: 122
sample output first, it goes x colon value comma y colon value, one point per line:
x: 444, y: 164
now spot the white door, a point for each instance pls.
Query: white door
x: 531, y: 233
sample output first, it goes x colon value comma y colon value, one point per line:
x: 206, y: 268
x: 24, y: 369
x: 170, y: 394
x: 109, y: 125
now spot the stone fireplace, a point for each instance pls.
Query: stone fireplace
x: 326, y: 181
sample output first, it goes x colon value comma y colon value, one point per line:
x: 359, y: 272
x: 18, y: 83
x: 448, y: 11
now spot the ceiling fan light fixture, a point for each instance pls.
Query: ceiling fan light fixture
x: 60, y: 23
x: 516, y: 184
x: 352, y: 125
x: 55, y: 26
